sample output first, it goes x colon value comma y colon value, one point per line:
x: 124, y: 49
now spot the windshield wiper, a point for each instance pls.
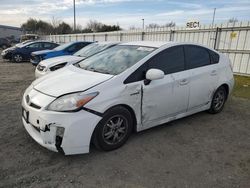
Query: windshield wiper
x: 95, y: 70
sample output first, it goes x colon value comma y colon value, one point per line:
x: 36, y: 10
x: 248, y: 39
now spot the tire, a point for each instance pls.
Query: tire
x: 218, y: 101
x: 114, y: 129
x: 17, y: 58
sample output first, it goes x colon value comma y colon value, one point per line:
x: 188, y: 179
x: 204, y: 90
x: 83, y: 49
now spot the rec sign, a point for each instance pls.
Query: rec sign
x: 193, y: 25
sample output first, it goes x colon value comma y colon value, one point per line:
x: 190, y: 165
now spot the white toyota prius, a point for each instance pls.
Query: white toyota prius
x: 130, y: 87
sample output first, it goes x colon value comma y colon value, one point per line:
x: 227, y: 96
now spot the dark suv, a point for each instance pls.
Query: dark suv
x: 4, y: 43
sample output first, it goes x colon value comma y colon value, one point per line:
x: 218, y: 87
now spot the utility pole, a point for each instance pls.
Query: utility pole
x: 213, y: 18
x: 142, y: 23
x: 74, y: 15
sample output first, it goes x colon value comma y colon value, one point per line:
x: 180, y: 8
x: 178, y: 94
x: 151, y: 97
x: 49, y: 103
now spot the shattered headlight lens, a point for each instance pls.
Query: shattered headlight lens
x: 71, y: 102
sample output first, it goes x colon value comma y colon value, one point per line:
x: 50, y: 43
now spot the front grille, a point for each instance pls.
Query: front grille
x: 40, y: 67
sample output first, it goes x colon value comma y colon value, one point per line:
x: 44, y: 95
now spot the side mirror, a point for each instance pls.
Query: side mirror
x: 154, y: 74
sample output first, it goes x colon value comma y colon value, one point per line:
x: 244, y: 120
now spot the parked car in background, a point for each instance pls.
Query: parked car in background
x: 131, y: 86
x: 55, y: 63
x: 31, y: 37
x: 22, y: 51
x: 4, y: 43
x: 65, y: 49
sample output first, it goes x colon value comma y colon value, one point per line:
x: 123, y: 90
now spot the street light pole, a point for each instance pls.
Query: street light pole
x: 213, y: 18
x: 143, y: 23
x: 74, y: 15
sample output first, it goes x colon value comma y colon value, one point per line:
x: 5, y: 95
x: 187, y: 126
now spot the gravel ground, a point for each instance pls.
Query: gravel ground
x: 202, y: 150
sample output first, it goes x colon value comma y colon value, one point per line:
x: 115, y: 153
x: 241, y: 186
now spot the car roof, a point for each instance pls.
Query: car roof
x: 159, y: 44
x: 155, y: 44
x: 108, y: 43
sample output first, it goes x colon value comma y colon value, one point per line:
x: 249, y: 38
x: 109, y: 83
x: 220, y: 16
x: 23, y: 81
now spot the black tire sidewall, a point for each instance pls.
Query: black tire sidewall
x: 212, y: 108
x: 98, y: 139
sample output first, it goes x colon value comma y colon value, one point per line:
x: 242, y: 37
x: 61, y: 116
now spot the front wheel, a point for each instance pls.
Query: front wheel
x: 114, y: 129
x: 17, y: 58
x: 218, y: 100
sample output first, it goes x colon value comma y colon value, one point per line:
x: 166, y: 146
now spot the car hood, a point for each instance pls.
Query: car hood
x: 10, y: 49
x: 42, y: 52
x: 67, y: 80
x: 69, y: 59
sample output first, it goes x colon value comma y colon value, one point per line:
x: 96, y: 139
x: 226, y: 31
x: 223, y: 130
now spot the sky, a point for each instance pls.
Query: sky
x: 126, y: 13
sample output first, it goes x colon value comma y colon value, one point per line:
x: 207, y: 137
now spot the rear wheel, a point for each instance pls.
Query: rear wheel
x: 218, y: 100
x: 17, y: 58
x: 114, y: 129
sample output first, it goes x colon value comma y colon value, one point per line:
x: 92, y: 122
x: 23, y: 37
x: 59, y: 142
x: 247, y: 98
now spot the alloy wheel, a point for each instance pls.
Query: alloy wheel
x: 18, y: 58
x: 115, y: 129
x: 219, y: 99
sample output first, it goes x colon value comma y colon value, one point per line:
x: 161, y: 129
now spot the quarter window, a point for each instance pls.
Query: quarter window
x: 170, y: 60
x: 196, y: 56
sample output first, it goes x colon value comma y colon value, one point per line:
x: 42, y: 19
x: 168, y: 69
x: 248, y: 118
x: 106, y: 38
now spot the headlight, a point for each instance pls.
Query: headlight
x: 71, y: 102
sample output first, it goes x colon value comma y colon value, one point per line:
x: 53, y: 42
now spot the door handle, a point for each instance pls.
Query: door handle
x: 184, y: 81
x: 213, y: 73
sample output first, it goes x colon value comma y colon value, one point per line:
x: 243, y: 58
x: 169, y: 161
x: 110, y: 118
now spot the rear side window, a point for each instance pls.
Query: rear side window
x: 169, y: 61
x: 215, y: 58
x: 196, y: 56
x: 47, y: 45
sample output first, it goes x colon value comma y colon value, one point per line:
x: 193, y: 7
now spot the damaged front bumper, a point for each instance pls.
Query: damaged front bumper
x: 69, y: 133
x: 46, y: 138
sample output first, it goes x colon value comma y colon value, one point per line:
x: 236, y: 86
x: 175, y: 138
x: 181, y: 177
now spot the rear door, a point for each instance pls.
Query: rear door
x: 203, y: 76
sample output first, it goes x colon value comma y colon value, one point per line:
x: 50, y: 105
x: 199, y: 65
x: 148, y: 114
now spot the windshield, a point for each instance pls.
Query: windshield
x: 116, y: 59
x: 91, y: 49
x: 63, y: 46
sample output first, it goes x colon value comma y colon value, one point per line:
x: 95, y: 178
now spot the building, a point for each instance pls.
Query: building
x: 10, y: 32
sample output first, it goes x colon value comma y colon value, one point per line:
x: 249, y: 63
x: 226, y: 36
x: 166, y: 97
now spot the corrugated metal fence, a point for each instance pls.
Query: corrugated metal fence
x: 230, y: 39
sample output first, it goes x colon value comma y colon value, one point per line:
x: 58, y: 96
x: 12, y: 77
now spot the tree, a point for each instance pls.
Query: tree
x: 64, y: 28
x: 152, y: 25
x: 96, y: 26
x: 57, y: 26
x: 170, y: 24
x: 30, y: 25
x: 233, y: 20
x: 155, y: 25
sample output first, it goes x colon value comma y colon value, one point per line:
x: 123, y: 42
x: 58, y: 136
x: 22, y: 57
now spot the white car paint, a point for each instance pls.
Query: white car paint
x: 67, y: 59
x: 47, y: 63
x: 174, y: 96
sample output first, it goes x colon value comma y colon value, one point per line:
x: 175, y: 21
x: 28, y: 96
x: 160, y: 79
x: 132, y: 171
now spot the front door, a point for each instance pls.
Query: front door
x: 165, y: 98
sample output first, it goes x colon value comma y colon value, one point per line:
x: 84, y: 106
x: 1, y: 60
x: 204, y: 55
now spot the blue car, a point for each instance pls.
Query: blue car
x: 65, y: 49
x: 22, y: 52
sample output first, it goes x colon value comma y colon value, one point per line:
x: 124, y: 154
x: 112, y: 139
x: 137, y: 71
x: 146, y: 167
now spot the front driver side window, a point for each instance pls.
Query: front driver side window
x: 170, y: 60
x: 34, y: 45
